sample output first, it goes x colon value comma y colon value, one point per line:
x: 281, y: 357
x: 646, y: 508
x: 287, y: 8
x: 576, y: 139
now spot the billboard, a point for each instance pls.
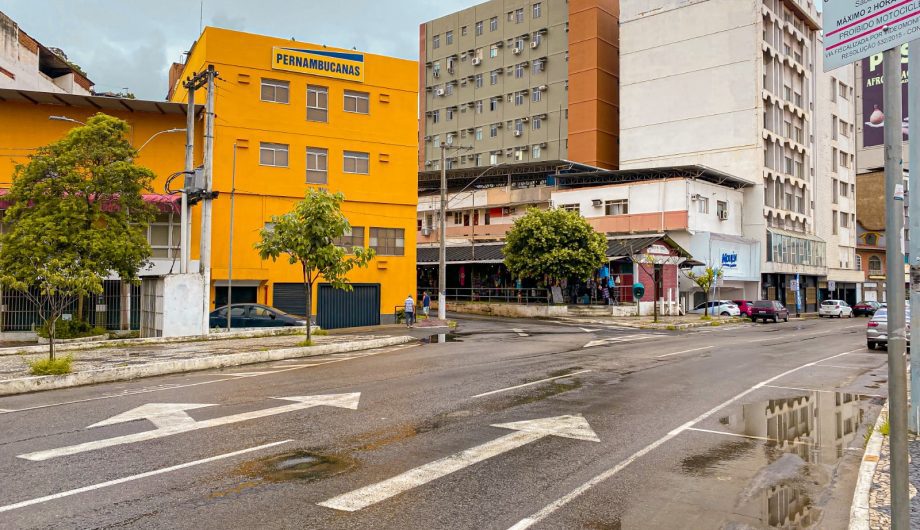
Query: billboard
x: 873, y: 106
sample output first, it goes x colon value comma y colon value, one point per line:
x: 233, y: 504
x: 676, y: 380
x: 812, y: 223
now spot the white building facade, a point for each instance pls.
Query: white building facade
x: 735, y: 85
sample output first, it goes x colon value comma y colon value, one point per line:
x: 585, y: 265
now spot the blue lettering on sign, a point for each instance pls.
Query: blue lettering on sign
x: 729, y: 260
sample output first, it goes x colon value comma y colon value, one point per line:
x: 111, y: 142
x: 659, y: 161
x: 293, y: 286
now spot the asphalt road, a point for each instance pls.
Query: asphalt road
x: 598, y: 427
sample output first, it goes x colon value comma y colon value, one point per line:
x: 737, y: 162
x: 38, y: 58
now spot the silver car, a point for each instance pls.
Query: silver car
x: 877, y: 328
x: 725, y: 308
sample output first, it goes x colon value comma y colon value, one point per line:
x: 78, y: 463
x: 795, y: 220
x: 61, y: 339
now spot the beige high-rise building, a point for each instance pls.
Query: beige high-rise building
x: 736, y: 85
x: 520, y: 81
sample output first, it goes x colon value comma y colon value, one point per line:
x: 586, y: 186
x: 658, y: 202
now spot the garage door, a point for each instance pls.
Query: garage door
x: 348, y: 309
x: 290, y: 298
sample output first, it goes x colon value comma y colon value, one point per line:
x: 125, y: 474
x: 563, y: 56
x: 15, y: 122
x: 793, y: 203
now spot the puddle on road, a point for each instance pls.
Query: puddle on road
x: 780, y: 477
x: 441, y: 338
x: 296, y: 465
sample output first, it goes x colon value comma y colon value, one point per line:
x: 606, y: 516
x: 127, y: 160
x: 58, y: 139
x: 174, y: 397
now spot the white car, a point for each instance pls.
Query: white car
x: 725, y: 308
x: 835, y: 308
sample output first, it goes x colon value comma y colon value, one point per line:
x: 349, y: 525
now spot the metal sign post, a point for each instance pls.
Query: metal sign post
x: 855, y: 30
x: 914, y: 216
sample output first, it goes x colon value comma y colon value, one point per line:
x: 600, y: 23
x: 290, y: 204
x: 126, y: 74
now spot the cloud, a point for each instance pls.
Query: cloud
x: 131, y: 44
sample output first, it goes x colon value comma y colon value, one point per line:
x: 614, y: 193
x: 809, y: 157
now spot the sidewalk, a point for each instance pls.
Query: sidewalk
x: 105, y: 363
x: 872, y: 499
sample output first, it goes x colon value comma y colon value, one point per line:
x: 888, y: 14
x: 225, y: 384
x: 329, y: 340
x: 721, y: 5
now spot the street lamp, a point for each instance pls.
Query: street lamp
x: 167, y: 131
x: 65, y: 118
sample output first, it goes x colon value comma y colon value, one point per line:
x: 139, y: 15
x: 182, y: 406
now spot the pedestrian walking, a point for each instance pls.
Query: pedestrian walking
x: 426, y: 303
x: 410, y: 311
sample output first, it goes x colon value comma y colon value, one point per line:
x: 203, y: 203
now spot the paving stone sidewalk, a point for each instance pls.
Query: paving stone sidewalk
x: 16, y: 366
x: 880, y: 491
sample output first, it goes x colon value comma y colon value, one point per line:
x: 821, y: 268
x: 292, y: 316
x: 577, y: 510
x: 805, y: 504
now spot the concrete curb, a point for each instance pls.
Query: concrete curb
x: 223, y: 335
x: 25, y: 385
x: 859, y: 511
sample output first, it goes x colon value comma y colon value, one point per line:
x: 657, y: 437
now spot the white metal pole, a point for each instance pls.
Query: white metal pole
x: 230, y: 243
x: 184, y: 217
x: 206, y: 208
x: 894, y: 232
x: 442, y: 252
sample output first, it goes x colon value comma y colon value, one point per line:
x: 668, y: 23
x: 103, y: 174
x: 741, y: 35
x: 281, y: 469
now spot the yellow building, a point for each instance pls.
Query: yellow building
x: 346, y: 122
x: 301, y: 115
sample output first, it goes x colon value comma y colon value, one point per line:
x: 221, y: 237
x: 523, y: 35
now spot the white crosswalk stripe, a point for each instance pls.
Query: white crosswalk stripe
x: 617, y: 340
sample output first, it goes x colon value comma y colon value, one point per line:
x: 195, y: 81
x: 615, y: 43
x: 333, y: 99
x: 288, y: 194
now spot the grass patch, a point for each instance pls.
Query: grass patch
x: 59, y: 366
x: 452, y: 324
x: 885, y: 429
x: 306, y: 343
x: 705, y: 317
x: 714, y: 324
x: 321, y: 332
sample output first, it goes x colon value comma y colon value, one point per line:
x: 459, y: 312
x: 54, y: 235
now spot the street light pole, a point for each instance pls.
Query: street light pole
x: 167, y: 131
x: 442, y: 251
x: 230, y: 245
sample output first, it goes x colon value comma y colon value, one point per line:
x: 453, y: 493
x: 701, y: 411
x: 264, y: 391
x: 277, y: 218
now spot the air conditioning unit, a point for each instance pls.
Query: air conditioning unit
x: 516, y: 51
x: 477, y: 61
x: 427, y: 138
x: 498, y: 125
x: 426, y: 231
x: 517, y: 133
x: 723, y: 215
x: 428, y: 163
x: 534, y: 44
x: 525, y: 119
x: 525, y: 65
x: 440, y: 92
x: 597, y: 203
x: 542, y: 88
x: 695, y: 197
x: 463, y: 81
x: 542, y: 144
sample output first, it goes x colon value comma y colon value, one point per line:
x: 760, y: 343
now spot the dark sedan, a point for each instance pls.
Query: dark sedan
x: 769, y: 310
x: 866, y: 308
x: 253, y: 316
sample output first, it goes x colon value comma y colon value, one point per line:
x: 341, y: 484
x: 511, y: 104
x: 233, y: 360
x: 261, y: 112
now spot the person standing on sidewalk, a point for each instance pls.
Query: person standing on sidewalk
x: 410, y: 311
x: 426, y: 303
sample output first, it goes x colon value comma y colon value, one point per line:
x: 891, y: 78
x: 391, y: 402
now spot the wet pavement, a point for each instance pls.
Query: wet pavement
x: 503, y: 423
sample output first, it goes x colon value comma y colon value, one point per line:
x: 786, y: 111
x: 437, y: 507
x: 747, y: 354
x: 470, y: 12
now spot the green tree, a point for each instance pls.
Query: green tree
x: 307, y: 235
x: 705, y: 281
x: 77, y: 215
x: 553, y: 244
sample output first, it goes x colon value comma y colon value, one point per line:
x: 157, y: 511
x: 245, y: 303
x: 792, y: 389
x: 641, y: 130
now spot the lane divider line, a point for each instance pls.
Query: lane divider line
x: 528, y: 384
x: 680, y: 352
x: 554, y: 506
x: 139, y: 476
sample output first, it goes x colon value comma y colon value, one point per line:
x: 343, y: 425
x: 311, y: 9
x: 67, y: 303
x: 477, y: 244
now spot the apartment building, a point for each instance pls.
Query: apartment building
x: 735, y: 85
x: 520, y: 81
x: 28, y: 64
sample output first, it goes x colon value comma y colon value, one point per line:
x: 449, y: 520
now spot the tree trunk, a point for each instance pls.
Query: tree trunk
x: 706, y: 301
x: 51, y: 332
x: 309, y: 309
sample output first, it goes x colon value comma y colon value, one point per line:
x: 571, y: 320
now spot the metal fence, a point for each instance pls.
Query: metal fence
x: 118, y: 307
x: 489, y: 295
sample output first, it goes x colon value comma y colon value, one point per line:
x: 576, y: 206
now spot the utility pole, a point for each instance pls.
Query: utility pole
x: 442, y: 251
x: 206, y: 206
x: 894, y: 230
x: 184, y: 216
x: 913, y: 198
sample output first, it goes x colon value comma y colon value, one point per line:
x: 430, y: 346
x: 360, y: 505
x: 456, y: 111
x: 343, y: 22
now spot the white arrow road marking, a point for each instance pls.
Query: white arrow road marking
x: 122, y: 480
x: 162, y: 415
x: 529, y: 384
x: 520, y: 332
x: 527, y: 432
x: 348, y: 401
x: 616, y: 340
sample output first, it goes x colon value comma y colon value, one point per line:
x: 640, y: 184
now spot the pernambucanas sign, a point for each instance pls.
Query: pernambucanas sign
x: 856, y: 29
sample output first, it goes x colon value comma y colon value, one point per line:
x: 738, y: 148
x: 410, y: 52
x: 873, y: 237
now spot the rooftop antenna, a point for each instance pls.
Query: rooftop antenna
x: 200, y: 16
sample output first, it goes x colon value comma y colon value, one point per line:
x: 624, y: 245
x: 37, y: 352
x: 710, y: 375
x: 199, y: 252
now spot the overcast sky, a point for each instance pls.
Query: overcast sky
x: 131, y: 43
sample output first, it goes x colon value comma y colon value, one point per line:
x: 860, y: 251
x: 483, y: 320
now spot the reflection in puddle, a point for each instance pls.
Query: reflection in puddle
x: 804, y: 438
x: 440, y: 338
x: 296, y: 465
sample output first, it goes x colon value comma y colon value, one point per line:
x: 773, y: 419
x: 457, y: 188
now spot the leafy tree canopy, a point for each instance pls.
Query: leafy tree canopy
x: 553, y: 243
x: 306, y: 235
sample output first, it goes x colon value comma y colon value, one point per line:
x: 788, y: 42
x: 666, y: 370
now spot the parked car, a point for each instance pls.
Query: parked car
x: 769, y: 310
x: 835, y: 308
x: 866, y: 308
x: 725, y: 308
x: 877, y: 329
x: 744, y: 306
x: 253, y: 316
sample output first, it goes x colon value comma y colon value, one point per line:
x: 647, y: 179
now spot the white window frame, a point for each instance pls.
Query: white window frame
x: 274, y: 149
x: 318, y: 158
x: 356, y: 98
x: 321, y: 92
x: 275, y: 85
x: 357, y: 157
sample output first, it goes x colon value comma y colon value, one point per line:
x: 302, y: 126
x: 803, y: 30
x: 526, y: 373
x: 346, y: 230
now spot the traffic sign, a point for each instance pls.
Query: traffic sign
x: 857, y: 29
